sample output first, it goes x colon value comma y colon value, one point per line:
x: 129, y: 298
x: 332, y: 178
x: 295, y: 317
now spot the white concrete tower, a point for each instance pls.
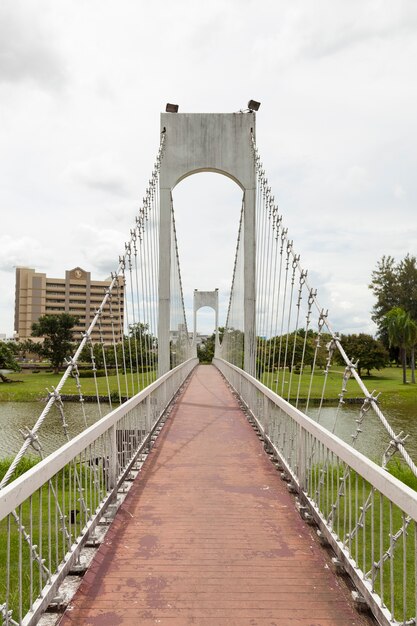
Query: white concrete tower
x: 210, y: 299
x: 207, y: 142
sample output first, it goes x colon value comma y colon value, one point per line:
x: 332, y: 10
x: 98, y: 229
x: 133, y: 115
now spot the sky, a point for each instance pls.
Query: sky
x: 82, y: 85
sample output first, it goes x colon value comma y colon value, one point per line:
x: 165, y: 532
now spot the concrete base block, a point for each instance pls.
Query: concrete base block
x: 359, y: 601
x: 338, y: 566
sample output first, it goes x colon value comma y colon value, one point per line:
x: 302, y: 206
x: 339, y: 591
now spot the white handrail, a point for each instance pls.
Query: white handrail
x: 399, y: 493
x: 20, y: 489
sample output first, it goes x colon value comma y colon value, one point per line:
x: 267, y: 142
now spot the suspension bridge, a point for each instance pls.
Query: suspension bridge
x: 208, y: 494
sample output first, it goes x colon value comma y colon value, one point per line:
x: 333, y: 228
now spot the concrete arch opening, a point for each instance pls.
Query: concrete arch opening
x: 204, y: 299
x: 208, y: 170
x: 207, y: 211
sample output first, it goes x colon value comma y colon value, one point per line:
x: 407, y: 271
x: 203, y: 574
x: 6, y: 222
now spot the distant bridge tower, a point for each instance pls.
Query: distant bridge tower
x: 207, y: 142
x: 210, y: 299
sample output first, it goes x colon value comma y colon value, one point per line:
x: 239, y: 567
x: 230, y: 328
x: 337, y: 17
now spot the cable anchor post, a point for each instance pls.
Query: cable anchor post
x: 393, y: 447
x: 32, y: 437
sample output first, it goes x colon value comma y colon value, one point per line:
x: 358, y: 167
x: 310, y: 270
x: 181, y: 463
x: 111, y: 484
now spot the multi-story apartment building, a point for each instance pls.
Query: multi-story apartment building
x: 37, y: 294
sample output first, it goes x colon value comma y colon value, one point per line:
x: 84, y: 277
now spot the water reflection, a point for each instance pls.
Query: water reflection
x: 21, y: 415
x: 372, y: 441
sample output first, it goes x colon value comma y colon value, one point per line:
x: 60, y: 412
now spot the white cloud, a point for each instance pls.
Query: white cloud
x: 336, y: 131
x: 100, y: 248
x: 357, y: 179
x: 28, y: 51
x: 399, y: 191
x: 342, y: 26
x: 23, y: 251
x: 103, y: 173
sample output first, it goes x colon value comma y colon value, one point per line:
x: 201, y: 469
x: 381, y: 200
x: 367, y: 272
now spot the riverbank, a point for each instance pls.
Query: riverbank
x: 34, y: 385
x: 395, y: 396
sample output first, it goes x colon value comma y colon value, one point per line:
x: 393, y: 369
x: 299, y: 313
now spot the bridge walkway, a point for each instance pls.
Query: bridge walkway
x: 208, y: 534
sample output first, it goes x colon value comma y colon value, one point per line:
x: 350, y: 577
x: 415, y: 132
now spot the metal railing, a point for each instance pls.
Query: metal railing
x: 50, y: 512
x: 366, y: 515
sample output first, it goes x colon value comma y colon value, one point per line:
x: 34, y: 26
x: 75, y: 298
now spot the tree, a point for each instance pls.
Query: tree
x: 394, y: 285
x: 206, y: 350
x: 369, y: 352
x: 143, y: 343
x: 233, y: 343
x: 298, y: 349
x: 140, y: 332
x: 407, y: 279
x: 99, y: 354
x: 402, y: 332
x: 28, y: 347
x: 8, y: 360
x: 57, y: 334
x: 386, y: 289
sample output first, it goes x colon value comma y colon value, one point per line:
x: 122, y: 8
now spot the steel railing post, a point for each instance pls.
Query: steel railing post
x: 113, y: 461
x: 301, y: 462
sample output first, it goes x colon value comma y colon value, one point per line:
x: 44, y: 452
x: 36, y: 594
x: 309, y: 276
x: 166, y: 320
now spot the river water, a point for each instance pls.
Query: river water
x: 20, y: 415
x: 372, y: 441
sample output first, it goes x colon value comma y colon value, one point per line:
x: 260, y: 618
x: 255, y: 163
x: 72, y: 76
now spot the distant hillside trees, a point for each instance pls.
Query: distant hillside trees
x: 296, y: 350
x: 292, y: 351
x: 137, y: 351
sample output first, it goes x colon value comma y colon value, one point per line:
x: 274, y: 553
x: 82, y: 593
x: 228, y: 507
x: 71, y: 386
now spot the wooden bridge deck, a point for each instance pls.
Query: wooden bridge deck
x: 208, y: 534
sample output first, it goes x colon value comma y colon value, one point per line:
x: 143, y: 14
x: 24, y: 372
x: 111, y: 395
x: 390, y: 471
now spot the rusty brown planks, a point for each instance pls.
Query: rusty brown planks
x: 208, y: 534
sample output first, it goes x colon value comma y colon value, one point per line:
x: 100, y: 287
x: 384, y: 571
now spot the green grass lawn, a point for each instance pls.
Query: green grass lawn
x: 394, y: 394
x: 53, y: 518
x: 33, y: 386
x: 379, y: 519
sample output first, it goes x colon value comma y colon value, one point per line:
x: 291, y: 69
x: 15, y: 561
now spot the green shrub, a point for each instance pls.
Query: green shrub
x: 99, y: 373
x: 401, y: 471
x: 25, y: 464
